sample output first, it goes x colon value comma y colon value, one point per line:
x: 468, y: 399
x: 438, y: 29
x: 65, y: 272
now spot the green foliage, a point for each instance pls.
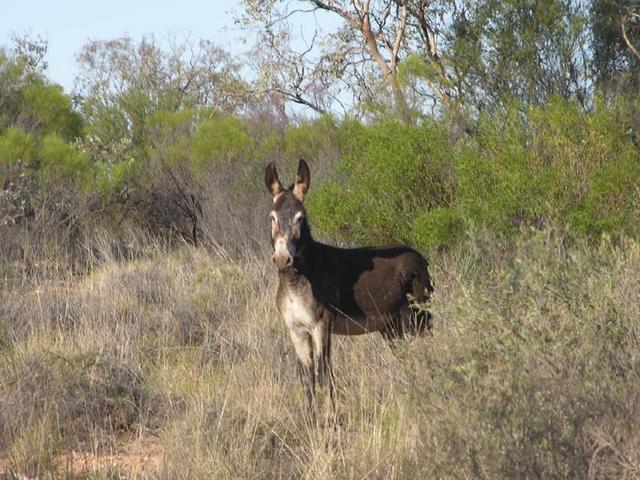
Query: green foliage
x: 497, y: 183
x: 613, y: 201
x: 110, y: 180
x: 37, y: 126
x: 29, y: 101
x: 523, y: 49
x: 555, y: 165
x: 51, y: 159
x: 270, y: 146
x: 169, y: 142
x: 50, y: 109
x: 415, y: 66
x: 436, y: 228
x: 16, y: 146
x: 510, y: 167
x: 220, y: 139
x: 62, y: 164
x: 391, y: 172
x: 123, y: 82
x: 309, y: 138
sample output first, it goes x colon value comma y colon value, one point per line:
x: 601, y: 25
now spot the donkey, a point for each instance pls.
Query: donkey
x: 325, y: 289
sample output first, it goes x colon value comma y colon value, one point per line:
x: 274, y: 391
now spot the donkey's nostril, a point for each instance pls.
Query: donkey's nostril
x: 273, y: 259
x: 289, y: 261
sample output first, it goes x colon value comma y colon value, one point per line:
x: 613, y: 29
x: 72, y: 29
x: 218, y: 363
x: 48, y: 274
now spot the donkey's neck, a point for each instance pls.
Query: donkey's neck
x: 293, y: 279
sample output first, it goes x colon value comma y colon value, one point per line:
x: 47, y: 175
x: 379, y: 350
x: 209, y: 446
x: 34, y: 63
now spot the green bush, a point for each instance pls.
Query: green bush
x: 309, y: 139
x: 16, y: 146
x: 220, y: 140
x: 49, y: 109
x: 612, y: 203
x: 390, y: 172
x: 555, y: 165
x: 61, y: 163
x: 501, y: 179
x: 559, y: 165
x: 437, y: 228
x: 29, y: 101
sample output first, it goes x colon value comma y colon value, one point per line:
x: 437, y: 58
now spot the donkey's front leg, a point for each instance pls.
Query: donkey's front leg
x: 303, y: 345
x: 322, y: 357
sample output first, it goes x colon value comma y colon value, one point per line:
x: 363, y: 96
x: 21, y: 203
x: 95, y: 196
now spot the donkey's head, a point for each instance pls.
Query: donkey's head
x: 290, y: 232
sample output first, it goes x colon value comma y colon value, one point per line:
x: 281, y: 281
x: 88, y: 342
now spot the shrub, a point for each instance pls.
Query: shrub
x: 62, y: 165
x: 437, y: 228
x: 49, y: 110
x: 612, y: 203
x: 558, y: 165
x: 389, y: 173
x: 16, y: 146
x: 534, y: 370
x: 223, y: 139
x: 555, y: 165
x: 314, y: 140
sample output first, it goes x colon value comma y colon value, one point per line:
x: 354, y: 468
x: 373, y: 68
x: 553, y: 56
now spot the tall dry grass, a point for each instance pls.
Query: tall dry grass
x: 180, y: 357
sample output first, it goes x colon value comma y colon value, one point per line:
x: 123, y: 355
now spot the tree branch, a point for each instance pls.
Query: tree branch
x: 626, y: 37
x: 399, y: 35
x: 300, y: 100
x: 332, y: 8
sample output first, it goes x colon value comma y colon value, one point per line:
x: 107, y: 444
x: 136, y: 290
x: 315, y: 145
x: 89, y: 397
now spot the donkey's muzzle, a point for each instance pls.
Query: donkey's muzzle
x: 282, y: 262
x: 282, y: 253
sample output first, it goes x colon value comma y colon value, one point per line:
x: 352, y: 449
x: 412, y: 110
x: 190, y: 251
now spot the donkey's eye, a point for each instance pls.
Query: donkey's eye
x: 298, y: 217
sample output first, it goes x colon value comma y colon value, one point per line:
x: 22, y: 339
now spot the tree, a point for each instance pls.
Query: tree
x: 615, y: 27
x: 453, y: 55
x: 363, y: 56
x: 27, y: 99
x: 633, y: 18
x: 142, y: 101
x: 122, y: 82
x: 527, y: 50
x: 33, y: 112
x: 44, y: 178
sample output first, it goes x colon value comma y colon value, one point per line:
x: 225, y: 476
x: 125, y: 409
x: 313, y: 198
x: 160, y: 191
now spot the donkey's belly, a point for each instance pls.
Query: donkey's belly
x: 343, y: 325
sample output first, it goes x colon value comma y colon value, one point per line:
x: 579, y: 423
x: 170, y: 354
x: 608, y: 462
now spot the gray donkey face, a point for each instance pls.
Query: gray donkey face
x: 289, y: 229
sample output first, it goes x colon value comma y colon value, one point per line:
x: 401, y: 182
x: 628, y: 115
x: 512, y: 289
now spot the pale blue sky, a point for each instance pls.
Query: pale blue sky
x: 68, y: 24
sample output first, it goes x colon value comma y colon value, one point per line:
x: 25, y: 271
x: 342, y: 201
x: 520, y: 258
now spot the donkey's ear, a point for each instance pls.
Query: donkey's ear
x: 272, y: 181
x: 303, y: 180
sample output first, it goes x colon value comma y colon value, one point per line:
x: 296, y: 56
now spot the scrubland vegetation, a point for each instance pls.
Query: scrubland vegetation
x: 138, y: 331
x: 180, y: 355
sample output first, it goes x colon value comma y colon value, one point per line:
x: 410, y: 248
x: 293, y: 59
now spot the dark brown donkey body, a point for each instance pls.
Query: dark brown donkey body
x: 325, y: 289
